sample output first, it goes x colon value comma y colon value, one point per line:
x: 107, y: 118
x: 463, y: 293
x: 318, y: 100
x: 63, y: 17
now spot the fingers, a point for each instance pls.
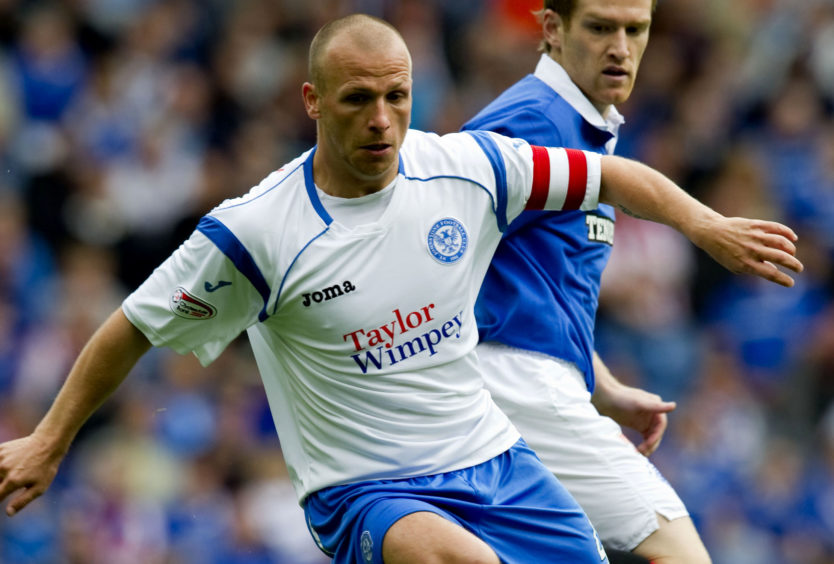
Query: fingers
x: 761, y: 248
x: 646, y: 448
x: 767, y: 267
x: 775, y: 249
x: 779, y: 250
x: 8, y: 487
x: 780, y: 243
x: 654, y: 433
x: 768, y: 271
x: 26, y: 493
x: 16, y: 481
x: 781, y: 259
x: 778, y: 229
x: 21, y: 500
x: 652, y: 437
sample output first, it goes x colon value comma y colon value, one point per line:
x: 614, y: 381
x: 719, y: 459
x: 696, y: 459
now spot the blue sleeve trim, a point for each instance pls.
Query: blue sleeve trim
x: 231, y: 246
x: 493, y: 153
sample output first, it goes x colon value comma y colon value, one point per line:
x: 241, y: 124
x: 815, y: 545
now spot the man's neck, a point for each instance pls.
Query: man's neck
x: 554, y: 75
x: 341, y: 182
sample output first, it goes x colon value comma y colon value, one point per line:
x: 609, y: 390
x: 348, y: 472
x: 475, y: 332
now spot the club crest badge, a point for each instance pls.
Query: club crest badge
x: 447, y: 240
x: 367, y: 545
x: 185, y: 305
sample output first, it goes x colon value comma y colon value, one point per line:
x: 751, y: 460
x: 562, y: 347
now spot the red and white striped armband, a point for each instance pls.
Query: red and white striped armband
x: 564, y: 179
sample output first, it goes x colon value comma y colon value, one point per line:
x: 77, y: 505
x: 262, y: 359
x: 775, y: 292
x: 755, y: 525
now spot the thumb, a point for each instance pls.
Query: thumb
x: 665, y: 406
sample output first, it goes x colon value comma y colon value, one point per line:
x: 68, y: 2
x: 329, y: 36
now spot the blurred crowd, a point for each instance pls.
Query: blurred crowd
x: 124, y: 121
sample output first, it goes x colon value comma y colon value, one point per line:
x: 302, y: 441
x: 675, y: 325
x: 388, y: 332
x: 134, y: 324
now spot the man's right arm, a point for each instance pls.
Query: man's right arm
x: 741, y: 245
x: 28, y: 465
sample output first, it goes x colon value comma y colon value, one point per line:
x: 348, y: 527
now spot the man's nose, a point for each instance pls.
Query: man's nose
x: 380, y: 118
x: 619, y: 47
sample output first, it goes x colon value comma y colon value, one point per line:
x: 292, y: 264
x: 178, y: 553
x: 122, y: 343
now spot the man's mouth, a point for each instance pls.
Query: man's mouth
x: 376, y: 147
x: 615, y: 72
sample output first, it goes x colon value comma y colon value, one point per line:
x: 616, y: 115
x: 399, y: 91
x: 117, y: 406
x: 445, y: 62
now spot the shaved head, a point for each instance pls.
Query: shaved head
x: 366, y: 33
x: 360, y: 96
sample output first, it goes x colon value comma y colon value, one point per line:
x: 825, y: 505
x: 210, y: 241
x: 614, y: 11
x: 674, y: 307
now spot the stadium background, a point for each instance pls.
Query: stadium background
x: 122, y: 121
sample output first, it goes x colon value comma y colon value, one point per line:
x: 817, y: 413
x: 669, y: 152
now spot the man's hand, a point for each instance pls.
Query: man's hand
x: 27, y: 468
x: 636, y: 409
x: 28, y: 465
x: 750, y: 246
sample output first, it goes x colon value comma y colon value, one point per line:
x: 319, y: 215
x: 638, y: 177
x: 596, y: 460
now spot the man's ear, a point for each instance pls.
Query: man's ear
x: 311, y: 100
x: 552, y: 30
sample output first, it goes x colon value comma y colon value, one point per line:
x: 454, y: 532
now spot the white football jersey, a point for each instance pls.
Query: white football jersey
x: 364, y: 337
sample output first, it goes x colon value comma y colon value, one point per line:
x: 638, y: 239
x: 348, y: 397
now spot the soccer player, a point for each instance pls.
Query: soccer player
x: 354, y: 270
x: 537, y: 306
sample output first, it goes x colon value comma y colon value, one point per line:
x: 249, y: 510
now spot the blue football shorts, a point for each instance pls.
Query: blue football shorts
x: 512, y: 502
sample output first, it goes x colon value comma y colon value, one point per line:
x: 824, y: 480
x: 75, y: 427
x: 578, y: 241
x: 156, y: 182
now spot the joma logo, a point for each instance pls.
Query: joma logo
x: 328, y: 293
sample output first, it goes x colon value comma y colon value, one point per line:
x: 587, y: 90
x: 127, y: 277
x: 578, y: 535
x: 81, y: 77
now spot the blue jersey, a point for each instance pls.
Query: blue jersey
x: 542, y: 288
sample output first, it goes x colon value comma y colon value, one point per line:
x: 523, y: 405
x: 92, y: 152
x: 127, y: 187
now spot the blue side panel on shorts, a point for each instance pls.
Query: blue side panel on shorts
x: 511, y: 502
x: 231, y: 246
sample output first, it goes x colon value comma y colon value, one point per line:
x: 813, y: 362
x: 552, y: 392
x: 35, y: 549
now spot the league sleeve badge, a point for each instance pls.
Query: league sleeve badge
x: 187, y: 306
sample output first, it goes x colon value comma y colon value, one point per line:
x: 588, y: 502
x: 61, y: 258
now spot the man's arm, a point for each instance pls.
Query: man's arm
x: 741, y: 245
x: 29, y: 465
x: 630, y: 407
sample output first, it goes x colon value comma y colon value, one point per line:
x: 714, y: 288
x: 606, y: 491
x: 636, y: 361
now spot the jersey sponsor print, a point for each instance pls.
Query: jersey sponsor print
x: 377, y: 348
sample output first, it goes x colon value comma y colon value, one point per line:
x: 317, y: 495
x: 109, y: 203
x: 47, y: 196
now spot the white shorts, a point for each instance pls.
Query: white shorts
x: 548, y: 401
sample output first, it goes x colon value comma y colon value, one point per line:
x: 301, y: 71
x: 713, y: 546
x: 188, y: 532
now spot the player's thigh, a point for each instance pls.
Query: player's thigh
x: 427, y: 538
x: 674, y: 542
